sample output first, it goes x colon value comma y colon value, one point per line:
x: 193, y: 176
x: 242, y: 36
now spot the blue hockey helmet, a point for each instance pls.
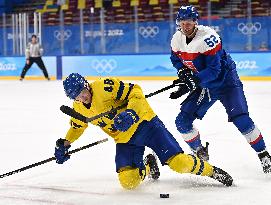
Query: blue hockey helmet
x: 74, y: 84
x: 185, y: 13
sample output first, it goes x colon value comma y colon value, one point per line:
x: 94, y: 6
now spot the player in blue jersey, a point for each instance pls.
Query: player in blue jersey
x: 209, y: 74
x: 132, y: 127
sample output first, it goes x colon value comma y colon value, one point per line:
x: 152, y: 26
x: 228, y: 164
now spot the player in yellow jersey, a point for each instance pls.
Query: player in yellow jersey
x: 133, y: 127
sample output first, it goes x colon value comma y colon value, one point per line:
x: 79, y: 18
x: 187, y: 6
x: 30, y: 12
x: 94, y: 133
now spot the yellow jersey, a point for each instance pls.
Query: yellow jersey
x: 108, y: 93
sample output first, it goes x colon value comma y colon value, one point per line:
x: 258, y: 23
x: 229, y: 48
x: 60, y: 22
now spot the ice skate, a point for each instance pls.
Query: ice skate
x: 222, y: 176
x: 265, y: 161
x: 150, y: 161
x: 202, y: 152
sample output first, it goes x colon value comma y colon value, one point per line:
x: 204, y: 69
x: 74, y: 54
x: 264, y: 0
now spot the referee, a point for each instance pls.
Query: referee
x: 33, y: 53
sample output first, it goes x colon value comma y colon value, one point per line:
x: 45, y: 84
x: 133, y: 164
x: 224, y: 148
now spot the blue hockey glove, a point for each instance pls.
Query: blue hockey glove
x: 61, y: 151
x: 125, y: 120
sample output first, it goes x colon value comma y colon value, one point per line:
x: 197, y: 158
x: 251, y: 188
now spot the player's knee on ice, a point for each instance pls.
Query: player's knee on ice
x: 183, y: 163
x: 130, y: 178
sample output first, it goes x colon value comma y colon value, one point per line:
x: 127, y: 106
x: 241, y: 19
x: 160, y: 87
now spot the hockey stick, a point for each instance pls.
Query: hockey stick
x: 51, y: 159
x: 71, y: 112
x: 161, y: 90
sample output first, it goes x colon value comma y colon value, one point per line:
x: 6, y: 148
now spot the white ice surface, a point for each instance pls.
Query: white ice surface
x: 31, y: 122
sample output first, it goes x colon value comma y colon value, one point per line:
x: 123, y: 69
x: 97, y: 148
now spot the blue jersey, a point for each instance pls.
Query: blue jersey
x: 205, y: 56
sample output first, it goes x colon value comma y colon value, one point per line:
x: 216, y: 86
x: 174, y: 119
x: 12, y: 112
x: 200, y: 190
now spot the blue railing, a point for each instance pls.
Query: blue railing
x: 134, y: 66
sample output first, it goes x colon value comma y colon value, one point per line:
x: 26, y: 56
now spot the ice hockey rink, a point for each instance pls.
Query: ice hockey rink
x: 31, y: 122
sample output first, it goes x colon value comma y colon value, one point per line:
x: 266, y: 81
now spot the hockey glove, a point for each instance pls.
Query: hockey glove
x: 187, y: 76
x: 61, y: 151
x: 125, y: 120
x: 187, y: 82
x: 182, y: 90
x: 184, y: 72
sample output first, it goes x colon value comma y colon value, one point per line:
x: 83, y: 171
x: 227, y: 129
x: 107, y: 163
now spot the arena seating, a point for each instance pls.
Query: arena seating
x: 122, y: 11
x: 258, y: 8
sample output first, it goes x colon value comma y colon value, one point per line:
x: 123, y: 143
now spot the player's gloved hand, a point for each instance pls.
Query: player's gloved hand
x: 61, y: 151
x: 125, y: 120
x: 182, y: 90
x: 192, y: 82
x: 184, y: 72
x: 187, y: 76
x: 186, y: 83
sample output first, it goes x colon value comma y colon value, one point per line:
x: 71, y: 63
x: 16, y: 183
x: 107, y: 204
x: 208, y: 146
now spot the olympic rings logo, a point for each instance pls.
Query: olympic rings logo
x: 249, y: 28
x: 104, y: 66
x: 149, y: 31
x: 62, y: 35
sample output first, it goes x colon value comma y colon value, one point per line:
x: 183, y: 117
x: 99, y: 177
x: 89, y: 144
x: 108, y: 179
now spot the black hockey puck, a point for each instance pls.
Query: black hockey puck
x: 164, y: 196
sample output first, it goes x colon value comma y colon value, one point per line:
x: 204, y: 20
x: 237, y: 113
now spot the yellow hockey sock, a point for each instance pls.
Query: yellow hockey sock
x: 183, y: 163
